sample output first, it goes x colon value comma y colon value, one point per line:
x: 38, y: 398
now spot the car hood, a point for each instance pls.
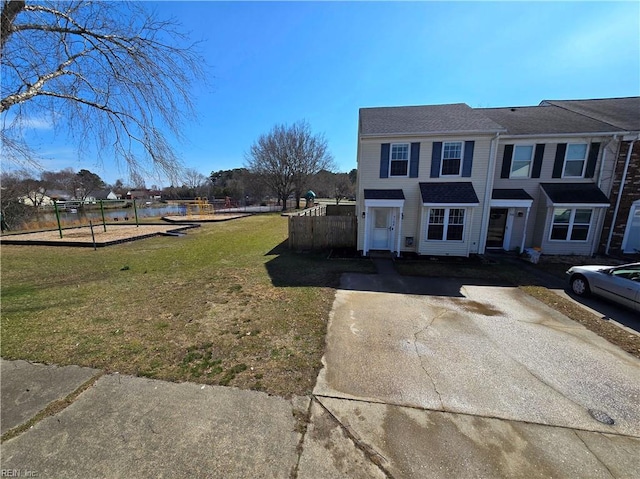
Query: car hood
x: 590, y: 267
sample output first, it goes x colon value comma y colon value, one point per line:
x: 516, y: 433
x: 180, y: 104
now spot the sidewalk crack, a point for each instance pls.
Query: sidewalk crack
x: 302, y: 425
x: 594, y: 454
x: 422, y: 358
x: 369, y: 452
x: 52, y: 408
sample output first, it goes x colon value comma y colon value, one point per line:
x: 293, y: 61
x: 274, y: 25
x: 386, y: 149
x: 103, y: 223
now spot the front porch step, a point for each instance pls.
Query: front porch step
x: 381, y: 255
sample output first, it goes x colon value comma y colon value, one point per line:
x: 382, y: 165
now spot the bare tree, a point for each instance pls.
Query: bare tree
x: 110, y: 73
x: 60, y: 180
x: 310, y: 155
x: 343, y: 188
x: 13, y: 212
x: 286, y: 157
x: 192, y: 178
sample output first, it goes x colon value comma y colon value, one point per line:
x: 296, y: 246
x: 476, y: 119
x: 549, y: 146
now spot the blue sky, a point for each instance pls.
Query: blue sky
x: 276, y: 63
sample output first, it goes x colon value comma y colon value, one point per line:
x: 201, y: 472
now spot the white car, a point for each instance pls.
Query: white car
x: 620, y: 284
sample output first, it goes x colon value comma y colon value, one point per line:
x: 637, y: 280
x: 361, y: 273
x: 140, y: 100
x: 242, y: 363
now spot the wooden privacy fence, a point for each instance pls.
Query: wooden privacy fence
x: 321, y: 232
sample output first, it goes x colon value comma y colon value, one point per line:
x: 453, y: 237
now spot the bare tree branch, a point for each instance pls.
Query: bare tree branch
x: 286, y: 157
x: 111, y: 75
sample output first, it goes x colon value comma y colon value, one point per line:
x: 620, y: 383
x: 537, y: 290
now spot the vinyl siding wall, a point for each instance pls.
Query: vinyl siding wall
x: 415, y: 220
x: 539, y: 219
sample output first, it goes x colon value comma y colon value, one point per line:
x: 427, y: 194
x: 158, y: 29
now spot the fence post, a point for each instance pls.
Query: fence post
x: 93, y: 238
x: 55, y: 207
x: 104, y: 225
x: 135, y: 211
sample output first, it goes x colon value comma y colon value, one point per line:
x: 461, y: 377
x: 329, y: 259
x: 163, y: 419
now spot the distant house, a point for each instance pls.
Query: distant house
x: 455, y: 180
x: 36, y: 198
x: 105, y: 194
x: 45, y: 197
x: 138, y: 195
x: 59, y: 195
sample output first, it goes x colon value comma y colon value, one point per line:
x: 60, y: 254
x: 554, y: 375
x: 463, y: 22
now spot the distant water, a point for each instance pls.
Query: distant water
x: 110, y: 215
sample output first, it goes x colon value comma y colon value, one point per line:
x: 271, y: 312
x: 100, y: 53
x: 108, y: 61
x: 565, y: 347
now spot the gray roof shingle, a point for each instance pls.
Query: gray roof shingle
x: 383, y: 195
x: 426, y: 119
x: 624, y: 113
x: 510, y: 194
x: 460, y: 192
x: 574, y: 193
x: 549, y: 119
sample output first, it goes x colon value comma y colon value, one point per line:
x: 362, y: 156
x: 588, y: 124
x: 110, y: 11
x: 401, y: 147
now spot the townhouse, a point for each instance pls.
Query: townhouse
x: 454, y: 180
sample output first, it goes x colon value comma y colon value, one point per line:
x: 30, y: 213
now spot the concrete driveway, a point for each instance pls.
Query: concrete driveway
x: 458, y: 379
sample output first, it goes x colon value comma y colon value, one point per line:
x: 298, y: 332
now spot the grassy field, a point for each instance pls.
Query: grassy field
x: 226, y: 304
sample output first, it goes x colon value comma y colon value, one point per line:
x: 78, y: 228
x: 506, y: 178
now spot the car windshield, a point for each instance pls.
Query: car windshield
x: 631, y: 272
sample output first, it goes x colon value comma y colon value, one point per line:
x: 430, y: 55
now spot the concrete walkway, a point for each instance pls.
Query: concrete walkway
x: 421, y: 378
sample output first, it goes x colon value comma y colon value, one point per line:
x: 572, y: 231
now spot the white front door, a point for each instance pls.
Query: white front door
x: 381, y: 231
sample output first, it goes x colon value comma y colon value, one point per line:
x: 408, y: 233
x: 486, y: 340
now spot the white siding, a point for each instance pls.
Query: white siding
x: 585, y: 248
x: 539, y: 220
x: 369, y: 178
x: 449, y: 248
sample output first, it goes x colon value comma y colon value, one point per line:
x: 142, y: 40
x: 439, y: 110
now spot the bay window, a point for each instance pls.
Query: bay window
x: 446, y: 224
x: 571, y: 224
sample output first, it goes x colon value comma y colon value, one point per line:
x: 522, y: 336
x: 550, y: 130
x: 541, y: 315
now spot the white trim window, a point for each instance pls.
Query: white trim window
x: 451, y: 158
x: 571, y: 224
x: 521, y: 161
x: 445, y: 224
x: 399, y: 159
x: 575, y: 159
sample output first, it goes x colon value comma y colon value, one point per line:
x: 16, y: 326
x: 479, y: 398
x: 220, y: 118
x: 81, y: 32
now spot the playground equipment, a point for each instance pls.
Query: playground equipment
x: 104, y: 223
x: 199, y: 206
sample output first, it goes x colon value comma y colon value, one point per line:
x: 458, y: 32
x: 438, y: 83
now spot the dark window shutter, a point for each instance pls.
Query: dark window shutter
x: 591, y: 160
x: 467, y: 161
x: 559, y: 162
x: 384, y: 160
x: 436, y: 157
x: 506, y: 161
x: 537, y: 160
x: 414, y: 160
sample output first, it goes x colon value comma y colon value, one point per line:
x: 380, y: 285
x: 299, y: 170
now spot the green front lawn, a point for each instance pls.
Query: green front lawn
x: 226, y: 304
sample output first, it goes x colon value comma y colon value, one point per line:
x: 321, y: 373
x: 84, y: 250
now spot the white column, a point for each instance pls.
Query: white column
x: 365, y: 250
x: 526, y: 224
x: 400, y: 230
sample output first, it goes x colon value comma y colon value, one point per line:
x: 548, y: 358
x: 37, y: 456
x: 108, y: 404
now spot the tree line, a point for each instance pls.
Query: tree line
x: 23, y: 191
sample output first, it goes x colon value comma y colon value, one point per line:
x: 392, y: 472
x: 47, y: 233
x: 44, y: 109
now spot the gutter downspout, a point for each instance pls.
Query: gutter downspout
x: 488, y: 190
x: 615, y: 211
